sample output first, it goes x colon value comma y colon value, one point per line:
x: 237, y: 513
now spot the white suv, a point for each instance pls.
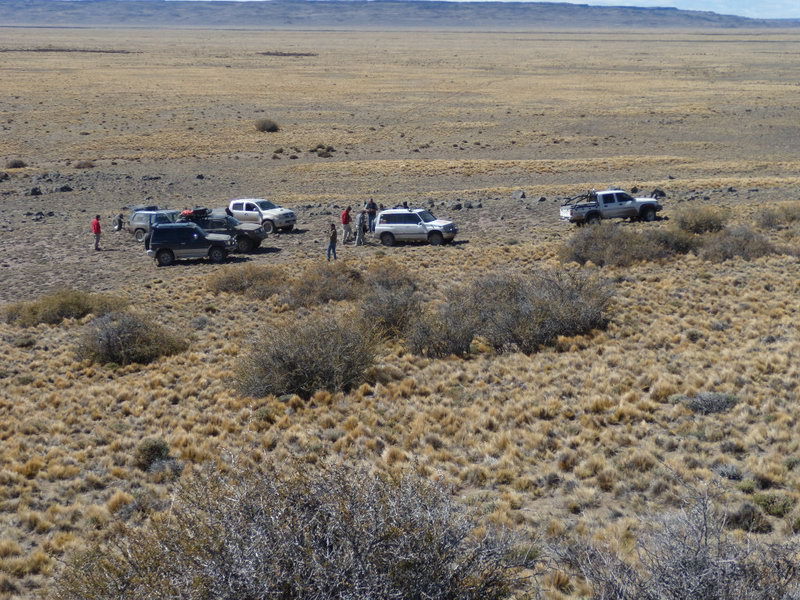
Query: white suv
x: 257, y: 210
x: 413, y: 225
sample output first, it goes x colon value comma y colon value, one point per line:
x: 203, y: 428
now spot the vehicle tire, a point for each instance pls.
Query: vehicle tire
x: 139, y: 235
x: 593, y: 219
x: 287, y: 229
x: 268, y: 226
x: 387, y: 239
x: 216, y: 254
x: 165, y: 258
x: 435, y: 238
x: 648, y: 214
x: 245, y: 244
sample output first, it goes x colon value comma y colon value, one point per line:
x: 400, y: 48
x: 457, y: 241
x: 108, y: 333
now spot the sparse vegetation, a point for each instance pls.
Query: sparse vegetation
x: 708, y: 403
x: 150, y: 451
x: 267, y: 126
x: 391, y: 301
x: 322, y: 352
x: 84, y: 164
x: 778, y: 215
x: 612, y: 245
x: 16, y: 163
x: 325, y: 283
x: 59, y: 305
x: 124, y: 338
x: 331, y: 532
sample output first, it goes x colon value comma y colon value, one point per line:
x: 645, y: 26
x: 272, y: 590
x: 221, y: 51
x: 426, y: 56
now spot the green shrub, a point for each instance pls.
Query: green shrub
x: 150, y: 451
x: 327, y: 533
x: 61, y: 304
x: 326, y: 282
x: 736, y: 242
x: 701, y: 219
x: 267, y: 126
x: 774, y: 503
x: 513, y: 313
x: 318, y: 353
x: 255, y: 281
x: 611, y: 245
x: 124, y: 338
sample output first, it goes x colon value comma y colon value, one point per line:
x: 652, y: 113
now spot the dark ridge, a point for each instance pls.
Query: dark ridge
x: 89, y: 50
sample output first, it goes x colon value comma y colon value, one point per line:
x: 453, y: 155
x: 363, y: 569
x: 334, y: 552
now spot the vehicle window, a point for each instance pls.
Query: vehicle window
x: 232, y: 222
x: 426, y: 216
x: 608, y: 199
x: 411, y: 219
x: 266, y: 205
x: 623, y: 197
x: 139, y: 218
x: 162, y: 219
x: 216, y: 224
x: 238, y: 206
x: 391, y: 219
x: 250, y: 207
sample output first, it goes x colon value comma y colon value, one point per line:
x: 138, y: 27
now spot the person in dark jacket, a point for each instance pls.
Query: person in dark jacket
x: 372, y: 211
x: 332, y: 242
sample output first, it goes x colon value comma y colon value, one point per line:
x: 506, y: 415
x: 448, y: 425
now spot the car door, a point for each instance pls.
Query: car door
x: 251, y: 213
x: 412, y: 228
x: 237, y: 208
x: 626, y: 205
x: 608, y: 205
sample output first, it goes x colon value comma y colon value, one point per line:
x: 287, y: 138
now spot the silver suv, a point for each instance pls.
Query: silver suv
x: 413, y: 225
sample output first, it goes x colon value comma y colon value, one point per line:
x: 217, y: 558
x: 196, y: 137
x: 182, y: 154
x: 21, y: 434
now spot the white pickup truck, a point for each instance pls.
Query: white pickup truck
x: 608, y: 204
x: 257, y: 210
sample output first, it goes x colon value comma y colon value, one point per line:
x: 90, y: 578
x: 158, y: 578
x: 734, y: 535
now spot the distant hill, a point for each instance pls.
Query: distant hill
x: 304, y: 14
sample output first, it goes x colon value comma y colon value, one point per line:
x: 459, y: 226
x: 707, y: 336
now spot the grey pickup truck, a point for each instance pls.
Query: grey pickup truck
x: 594, y: 206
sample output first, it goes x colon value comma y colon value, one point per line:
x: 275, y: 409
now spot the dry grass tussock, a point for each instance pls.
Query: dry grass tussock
x: 61, y: 304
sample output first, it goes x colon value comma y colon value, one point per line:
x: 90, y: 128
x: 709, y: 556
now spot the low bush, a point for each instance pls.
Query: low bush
x: 16, y: 163
x: 322, y: 352
x: 391, y: 301
x: 708, y: 403
x: 608, y: 244
x: 124, y: 338
x: 325, y: 283
x: 775, y: 504
x: 84, y: 164
x: 513, y: 313
x: 740, y: 242
x: 267, y: 126
x: 59, y: 305
x: 255, y: 281
x: 779, y: 215
x: 150, y: 451
x: 701, y: 219
x: 326, y: 533
x: 685, y: 556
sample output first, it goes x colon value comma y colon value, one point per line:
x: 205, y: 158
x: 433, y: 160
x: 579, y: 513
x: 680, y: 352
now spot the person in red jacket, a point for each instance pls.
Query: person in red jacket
x: 97, y: 232
x: 347, y: 231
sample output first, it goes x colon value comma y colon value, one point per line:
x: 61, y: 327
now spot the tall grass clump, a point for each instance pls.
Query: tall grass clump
x: 701, y: 219
x: 735, y: 242
x: 321, y: 352
x: 689, y: 555
x: 391, y: 301
x: 610, y: 245
x: 327, y: 533
x: 124, y: 338
x: 513, y: 312
x: 255, y: 281
x: 59, y: 305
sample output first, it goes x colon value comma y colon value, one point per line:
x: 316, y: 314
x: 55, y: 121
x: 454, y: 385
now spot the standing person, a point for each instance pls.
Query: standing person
x: 361, y: 227
x: 118, y: 222
x: 97, y: 231
x: 332, y: 242
x: 347, y: 231
x: 372, y: 210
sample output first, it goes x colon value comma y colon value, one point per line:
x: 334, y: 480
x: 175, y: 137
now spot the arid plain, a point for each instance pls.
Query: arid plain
x: 584, y: 437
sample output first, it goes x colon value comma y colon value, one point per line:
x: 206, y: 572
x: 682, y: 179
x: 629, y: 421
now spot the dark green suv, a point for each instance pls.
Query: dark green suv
x: 248, y: 236
x: 171, y: 241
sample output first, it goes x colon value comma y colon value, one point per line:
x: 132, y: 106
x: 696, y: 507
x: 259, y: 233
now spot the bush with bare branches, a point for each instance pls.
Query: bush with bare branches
x: 322, y: 533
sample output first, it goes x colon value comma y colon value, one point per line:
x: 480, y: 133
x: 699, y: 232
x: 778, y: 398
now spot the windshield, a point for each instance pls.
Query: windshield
x: 265, y: 205
x: 233, y: 222
x: 426, y: 216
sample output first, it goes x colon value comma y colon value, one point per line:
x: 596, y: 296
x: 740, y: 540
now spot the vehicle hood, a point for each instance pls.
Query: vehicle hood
x: 440, y: 223
x: 276, y: 212
x: 218, y: 237
x: 641, y: 200
x: 248, y: 227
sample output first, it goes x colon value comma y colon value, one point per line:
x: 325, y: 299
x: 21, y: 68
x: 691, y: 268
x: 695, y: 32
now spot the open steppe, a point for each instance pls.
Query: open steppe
x: 584, y: 437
